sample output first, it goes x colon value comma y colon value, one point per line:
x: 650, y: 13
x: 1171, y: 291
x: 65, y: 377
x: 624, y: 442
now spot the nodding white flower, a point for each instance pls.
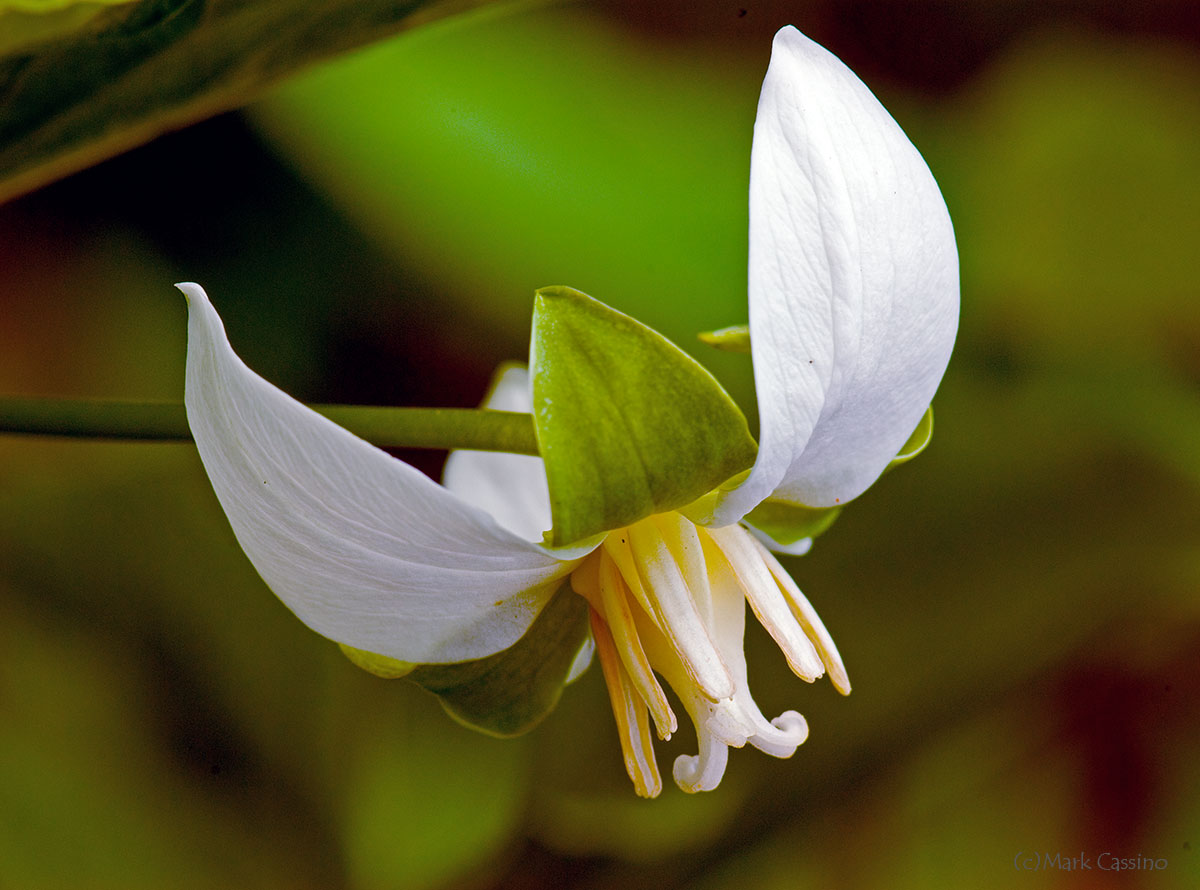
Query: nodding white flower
x: 853, y: 292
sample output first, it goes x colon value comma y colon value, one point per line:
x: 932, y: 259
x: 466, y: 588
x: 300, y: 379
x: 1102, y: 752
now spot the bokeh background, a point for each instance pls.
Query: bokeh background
x: 1018, y: 609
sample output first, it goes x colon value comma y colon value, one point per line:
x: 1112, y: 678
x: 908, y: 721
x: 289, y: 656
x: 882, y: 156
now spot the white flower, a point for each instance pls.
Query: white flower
x: 853, y: 289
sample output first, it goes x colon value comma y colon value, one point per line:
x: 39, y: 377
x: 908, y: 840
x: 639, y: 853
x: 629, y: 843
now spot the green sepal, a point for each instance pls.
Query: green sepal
x: 731, y: 339
x: 627, y: 423
x: 788, y: 523
x: 509, y: 693
x: 917, y: 442
x: 379, y: 665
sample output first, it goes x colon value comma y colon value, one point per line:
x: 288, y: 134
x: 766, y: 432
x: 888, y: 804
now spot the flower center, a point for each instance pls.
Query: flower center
x: 668, y: 598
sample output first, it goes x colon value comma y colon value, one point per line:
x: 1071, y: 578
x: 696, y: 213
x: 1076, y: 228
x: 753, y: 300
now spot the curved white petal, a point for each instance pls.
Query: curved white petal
x: 362, y: 547
x: 510, y: 487
x: 853, y: 283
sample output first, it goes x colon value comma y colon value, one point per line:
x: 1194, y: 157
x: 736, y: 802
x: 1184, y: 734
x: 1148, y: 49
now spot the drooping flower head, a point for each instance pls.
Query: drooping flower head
x: 658, y: 513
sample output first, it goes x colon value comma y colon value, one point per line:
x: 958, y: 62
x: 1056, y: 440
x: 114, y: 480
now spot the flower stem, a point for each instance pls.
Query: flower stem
x: 166, y: 422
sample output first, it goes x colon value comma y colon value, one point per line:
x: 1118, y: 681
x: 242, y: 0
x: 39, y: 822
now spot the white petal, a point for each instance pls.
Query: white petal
x: 853, y: 283
x: 362, y: 547
x: 510, y: 487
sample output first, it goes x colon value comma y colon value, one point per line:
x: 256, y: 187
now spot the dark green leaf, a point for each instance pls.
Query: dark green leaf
x: 80, y: 82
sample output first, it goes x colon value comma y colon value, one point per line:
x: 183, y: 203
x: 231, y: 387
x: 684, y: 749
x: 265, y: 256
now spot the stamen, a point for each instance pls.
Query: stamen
x: 619, y: 618
x: 683, y: 540
x: 633, y: 727
x: 616, y: 545
x: 767, y: 601
x: 691, y: 587
x: 809, y: 620
x: 676, y: 614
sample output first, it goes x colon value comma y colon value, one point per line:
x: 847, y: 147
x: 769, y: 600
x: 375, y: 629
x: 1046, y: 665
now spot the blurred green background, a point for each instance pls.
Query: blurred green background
x: 1018, y: 609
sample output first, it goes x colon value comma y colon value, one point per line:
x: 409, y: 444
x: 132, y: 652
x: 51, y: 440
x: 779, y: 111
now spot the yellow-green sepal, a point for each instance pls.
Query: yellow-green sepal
x: 917, y: 442
x: 731, y: 339
x: 379, y: 665
x: 509, y: 693
x: 787, y: 523
x: 627, y: 423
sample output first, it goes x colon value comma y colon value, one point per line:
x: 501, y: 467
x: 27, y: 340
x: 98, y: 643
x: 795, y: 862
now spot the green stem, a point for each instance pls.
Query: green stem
x: 166, y: 422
